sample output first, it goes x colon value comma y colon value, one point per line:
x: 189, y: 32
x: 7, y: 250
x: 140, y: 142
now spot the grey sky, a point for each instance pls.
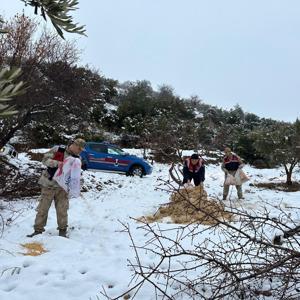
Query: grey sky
x: 226, y: 52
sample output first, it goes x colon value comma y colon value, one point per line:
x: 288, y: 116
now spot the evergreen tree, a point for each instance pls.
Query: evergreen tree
x: 278, y: 143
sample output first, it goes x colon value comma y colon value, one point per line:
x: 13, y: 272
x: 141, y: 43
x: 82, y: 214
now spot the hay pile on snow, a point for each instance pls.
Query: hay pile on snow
x: 191, y: 205
x: 33, y: 249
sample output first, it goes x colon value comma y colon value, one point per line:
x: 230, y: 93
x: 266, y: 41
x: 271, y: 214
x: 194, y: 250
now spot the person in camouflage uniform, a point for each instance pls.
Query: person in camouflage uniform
x: 52, y: 191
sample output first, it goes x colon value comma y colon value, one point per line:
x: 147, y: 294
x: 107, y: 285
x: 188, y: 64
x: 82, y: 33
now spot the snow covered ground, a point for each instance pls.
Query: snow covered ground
x: 96, y: 253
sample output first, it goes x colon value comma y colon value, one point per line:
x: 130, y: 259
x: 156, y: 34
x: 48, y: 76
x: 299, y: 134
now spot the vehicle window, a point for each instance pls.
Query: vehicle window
x: 98, y: 148
x: 115, y: 151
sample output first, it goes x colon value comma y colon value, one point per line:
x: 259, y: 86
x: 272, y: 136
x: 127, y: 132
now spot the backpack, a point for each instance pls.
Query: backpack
x: 59, y: 156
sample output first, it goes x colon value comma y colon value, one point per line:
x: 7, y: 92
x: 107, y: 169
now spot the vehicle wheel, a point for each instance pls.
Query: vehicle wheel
x: 137, y: 171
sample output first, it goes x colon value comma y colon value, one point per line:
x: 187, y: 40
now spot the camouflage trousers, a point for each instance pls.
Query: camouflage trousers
x: 61, y: 201
x: 238, y: 188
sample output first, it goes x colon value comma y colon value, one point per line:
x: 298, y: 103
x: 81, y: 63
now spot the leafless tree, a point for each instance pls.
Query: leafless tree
x: 23, y: 46
x: 229, y: 259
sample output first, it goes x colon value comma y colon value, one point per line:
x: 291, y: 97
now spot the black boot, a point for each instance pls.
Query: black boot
x: 62, y: 233
x: 34, y: 233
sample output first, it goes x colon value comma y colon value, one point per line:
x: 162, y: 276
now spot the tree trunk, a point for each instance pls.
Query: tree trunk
x: 25, y: 119
x: 289, y: 172
x: 289, y: 178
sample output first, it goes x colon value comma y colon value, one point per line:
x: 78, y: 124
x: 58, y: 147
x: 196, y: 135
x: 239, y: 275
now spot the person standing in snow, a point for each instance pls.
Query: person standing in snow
x: 194, y: 169
x: 231, y: 163
x: 52, y: 191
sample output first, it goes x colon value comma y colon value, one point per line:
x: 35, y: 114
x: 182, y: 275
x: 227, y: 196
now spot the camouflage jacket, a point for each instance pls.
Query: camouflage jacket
x: 48, y: 161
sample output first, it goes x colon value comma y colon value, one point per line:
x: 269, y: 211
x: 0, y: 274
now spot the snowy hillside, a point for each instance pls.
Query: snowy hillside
x: 96, y: 253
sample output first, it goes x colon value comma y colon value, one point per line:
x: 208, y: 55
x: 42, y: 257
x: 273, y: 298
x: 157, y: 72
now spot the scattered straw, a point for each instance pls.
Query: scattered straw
x: 191, y: 205
x: 33, y: 249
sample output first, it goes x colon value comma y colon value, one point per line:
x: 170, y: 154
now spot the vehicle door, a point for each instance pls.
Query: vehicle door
x: 117, y: 158
x: 97, y: 157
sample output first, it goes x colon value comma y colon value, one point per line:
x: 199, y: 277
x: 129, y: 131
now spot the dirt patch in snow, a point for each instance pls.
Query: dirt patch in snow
x: 192, y: 206
x: 279, y: 186
x: 91, y: 183
x: 37, y: 156
x: 19, y: 183
x: 19, y: 186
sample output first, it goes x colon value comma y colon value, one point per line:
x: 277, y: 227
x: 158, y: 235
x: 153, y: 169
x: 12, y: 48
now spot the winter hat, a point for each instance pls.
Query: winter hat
x: 80, y: 143
x: 195, y: 156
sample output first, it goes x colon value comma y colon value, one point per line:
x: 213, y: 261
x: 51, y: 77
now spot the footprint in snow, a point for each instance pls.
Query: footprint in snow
x: 41, y: 282
x: 9, y: 287
x: 27, y: 263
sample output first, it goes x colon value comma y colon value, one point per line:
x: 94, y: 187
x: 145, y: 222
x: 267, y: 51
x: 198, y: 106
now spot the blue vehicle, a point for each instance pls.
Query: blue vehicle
x: 110, y: 158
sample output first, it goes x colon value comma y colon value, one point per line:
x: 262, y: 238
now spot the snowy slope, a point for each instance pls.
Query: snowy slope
x: 96, y: 253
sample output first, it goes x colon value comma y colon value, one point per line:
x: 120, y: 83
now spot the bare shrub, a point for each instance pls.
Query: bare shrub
x: 227, y: 259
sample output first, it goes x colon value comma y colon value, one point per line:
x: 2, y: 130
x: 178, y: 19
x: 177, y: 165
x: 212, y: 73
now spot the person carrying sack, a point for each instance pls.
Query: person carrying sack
x: 51, y: 190
x: 231, y: 166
